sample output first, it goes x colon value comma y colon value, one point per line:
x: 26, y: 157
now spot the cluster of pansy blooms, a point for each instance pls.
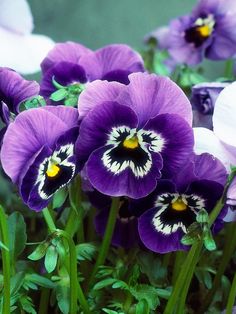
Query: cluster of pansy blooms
x: 127, y: 133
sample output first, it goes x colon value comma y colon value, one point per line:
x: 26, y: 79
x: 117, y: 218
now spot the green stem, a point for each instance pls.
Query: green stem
x: 75, y: 288
x: 49, y: 220
x: 232, y: 295
x: 229, y: 68
x: 44, y: 300
x: 228, y: 250
x: 179, y: 258
x: 5, y: 262
x: 107, y: 238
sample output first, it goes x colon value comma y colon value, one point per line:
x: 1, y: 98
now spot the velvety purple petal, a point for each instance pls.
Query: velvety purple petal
x: 157, y: 241
x: 124, y: 183
x: 125, y: 233
x: 31, y: 130
x: 178, y: 141
x: 207, y: 167
x: 14, y: 89
x: 111, y: 58
x: 68, y: 51
x: 121, y: 76
x: 68, y: 115
x: 65, y: 73
x: 97, y: 125
x: 96, y: 93
x: 149, y: 95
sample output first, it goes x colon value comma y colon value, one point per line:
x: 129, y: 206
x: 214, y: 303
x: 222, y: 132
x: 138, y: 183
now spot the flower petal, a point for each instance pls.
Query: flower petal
x: 111, y: 58
x: 31, y: 49
x: 96, y: 93
x: 149, y: 95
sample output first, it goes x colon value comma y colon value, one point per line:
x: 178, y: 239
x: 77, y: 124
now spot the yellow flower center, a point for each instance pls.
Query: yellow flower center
x: 131, y: 143
x: 179, y: 205
x: 53, y: 170
x: 205, y: 30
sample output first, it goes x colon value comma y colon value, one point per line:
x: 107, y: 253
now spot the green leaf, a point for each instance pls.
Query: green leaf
x: 51, y: 257
x: 142, y: 307
x: 27, y: 304
x: 58, y: 95
x: 147, y: 293
x: 71, y: 101
x: 63, y: 298
x: 119, y: 284
x: 208, y: 240
x: 86, y: 251
x: 17, y: 234
x: 40, y: 280
x: 39, y: 252
x: 59, y: 198
x: 3, y: 246
x: 164, y: 293
x: 202, y: 216
x: 104, y: 283
x: 16, y: 282
x: 207, y: 280
x: 108, y: 311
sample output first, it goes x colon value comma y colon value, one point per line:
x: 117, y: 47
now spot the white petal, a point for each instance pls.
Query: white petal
x: 23, y: 53
x: 224, y: 117
x: 15, y: 16
x: 207, y: 142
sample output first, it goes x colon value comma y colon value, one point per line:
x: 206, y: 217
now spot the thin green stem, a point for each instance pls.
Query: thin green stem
x: 49, y: 220
x: 228, y: 250
x: 179, y: 258
x: 229, y: 68
x: 75, y: 288
x: 107, y: 238
x: 44, y: 300
x: 232, y: 295
x: 5, y: 262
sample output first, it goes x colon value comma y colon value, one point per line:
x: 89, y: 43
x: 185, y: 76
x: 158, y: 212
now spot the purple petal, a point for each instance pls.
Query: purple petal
x: 98, y: 124
x: 157, y: 241
x: 178, y: 141
x: 111, y: 58
x: 124, y: 183
x: 149, y: 95
x: 68, y: 115
x: 68, y: 51
x: 207, y: 167
x: 31, y: 130
x: 14, y: 89
x: 96, y: 93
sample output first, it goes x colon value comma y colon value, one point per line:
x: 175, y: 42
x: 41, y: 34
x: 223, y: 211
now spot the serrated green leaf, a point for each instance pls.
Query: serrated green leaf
x: 17, y: 234
x: 147, y: 293
x: 39, y: 252
x: 104, y: 283
x: 142, y: 307
x: 58, y: 95
x: 51, y: 257
x: 59, y: 198
x: 86, y: 251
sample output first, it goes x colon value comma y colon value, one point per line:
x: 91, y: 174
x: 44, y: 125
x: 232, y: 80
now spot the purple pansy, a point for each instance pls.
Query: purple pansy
x: 203, y: 100
x: 38, y: 152
x: 175, y: 203
x: 130, y: 142
x: 14, y: 90
x: 208, y: 31
x: 71, y: 64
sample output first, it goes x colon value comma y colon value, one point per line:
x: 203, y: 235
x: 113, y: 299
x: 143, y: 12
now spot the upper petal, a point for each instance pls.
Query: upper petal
x: 110, y: 58
x: 149, y: 95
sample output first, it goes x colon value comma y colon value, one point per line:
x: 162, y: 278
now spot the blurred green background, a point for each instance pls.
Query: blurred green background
x: 96, y: 23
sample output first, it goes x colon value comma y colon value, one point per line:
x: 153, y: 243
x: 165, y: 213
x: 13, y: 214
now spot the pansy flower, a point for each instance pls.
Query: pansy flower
x: 203, y: 100
x: 71, y: 65
x: 20, y: 49
x: 127, y: 143
x: 38, y: 152
x: 208, y: 31
x: 175, y: 203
